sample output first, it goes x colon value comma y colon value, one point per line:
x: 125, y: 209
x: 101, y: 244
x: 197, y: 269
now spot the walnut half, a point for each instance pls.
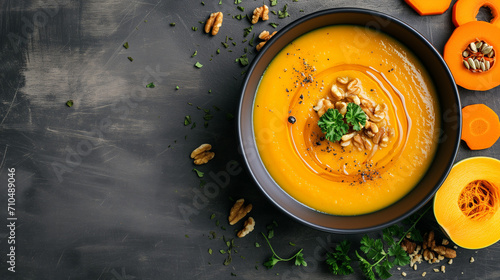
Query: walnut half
x: 248, y: 227
x: 202, y: 154
x: 260, y: 12
x: 214, y: 22
x: 238, y: 211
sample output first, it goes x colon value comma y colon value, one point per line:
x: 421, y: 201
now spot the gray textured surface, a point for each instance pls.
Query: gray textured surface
x: 102, y: 186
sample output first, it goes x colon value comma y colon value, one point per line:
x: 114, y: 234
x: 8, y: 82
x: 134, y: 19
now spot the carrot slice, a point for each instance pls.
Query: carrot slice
x: 480, y: 126
x: 466, y: 10
x: 429, y: 7
x: 459, y: 41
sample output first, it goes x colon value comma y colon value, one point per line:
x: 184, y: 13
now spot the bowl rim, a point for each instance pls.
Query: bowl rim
x: 428, y: 197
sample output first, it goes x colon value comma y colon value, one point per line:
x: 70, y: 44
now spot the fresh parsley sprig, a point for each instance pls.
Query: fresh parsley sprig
x: 335, y: 125
x: 274, y: 259
x: 332, y: 123
x: 379, y: 262
x: 339, y: 261
x: 355, y: 116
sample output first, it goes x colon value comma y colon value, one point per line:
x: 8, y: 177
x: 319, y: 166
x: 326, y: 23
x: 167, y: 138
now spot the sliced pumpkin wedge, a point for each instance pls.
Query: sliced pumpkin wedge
x: 467, y: 204
x: 471, y: 55
x: 429, y: 7
x: 465, y: 11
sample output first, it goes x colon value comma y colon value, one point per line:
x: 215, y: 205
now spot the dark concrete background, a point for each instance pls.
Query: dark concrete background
x: 105, y: 189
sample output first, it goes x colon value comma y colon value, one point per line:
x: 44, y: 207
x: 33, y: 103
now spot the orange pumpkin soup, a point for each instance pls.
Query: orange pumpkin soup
x: 367, y: 169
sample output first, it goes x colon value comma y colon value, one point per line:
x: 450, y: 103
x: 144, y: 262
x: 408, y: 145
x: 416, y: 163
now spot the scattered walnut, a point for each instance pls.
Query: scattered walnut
x: 415, y: 267
x: 337, y: 93
x: 435, y: 269
x: 471, y: 259
x: 213, y: 23
x: 450, y: 261
x: 323, y: 106
x: 424, y: 273
x: 443, y: 269
x: 343, y: 80
x: 403, y: 273
x: 428, y: 255
x: 446, y: 252
x: 260, y: 12
x: 429, y: 240
x: 366, y: 143
x: 238, y: 211
x: 445, y: 242
x: 264, y: 35
x: 248, y: 227
x: 341, y: 106
x: 358, y: 142
x: 202, y: 154
x: 408, y: 246
x: 353, y: 84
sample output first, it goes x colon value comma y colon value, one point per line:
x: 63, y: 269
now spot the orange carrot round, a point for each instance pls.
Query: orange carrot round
x: 465, y: 11
x: 457, y: 52
x: 480, y: 126
x: 429, y: 7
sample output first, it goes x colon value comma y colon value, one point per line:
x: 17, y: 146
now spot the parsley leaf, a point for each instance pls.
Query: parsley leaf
x: 247, y: 30
x: 283, y: 13
x: 198, y: 65
x: 355, y: 116
x: 187, y: 120
x: 125, y: 45
x: 274, y: 2
x: 274, y: 259
x: 243, y: 60
x: 69, y: 103
x: 198, y: 173
x: 237, y: 2
x: 332, y: 123
x: 377, y: 261
x: 339, y: 262
x: 150, y: 85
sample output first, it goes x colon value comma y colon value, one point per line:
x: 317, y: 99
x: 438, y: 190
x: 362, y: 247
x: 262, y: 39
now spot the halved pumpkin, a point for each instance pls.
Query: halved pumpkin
x: 466, y: 10
x: 466, y: 205
x: 429, y: 7
x: 459, y: 42
x: 480, y: 126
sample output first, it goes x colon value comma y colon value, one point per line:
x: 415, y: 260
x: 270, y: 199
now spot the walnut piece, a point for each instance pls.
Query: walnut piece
x: 323, y: 106
x: 408, y: 246
x: 447, y: 252
x: 248, y: 227
x: 202, y: 154
x: 238, y: 211
x: 265, y: 36
x: 260, y: 12
x: 213, y: 23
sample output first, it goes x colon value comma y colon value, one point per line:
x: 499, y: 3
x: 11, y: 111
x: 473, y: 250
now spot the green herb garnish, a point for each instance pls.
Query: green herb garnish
x: 194, y: 54
x: 251, y: 40
x: 274, y: 25
x: 283, y: 13
x: 172, y: 24
x: 130, y: 58
x: 274, y: 259
x: 177, y: 87
x: 243, y: 60
x: 150, y: 85
x: 69, y: 103
x: 194, y: 28
x: 125, y: 45
x: 187, y: 120
x: 355, y: 116
x: 257, y: 245
x: 377, y: 260
x: 198, y: 173
x: 241, y: 8
x: 210, y: 251
x: 236, y: 2
x: 198, y: 65
x: 247, y: 31
x: 274, y: 3
x: 338, y: 261
x: 220, y: 2
x: 332, y: 123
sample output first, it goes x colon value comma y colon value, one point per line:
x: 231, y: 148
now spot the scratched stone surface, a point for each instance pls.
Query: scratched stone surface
x: 105, y: 188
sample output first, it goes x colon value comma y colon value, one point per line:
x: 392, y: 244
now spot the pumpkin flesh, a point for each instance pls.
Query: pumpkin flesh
x: 466, y: 205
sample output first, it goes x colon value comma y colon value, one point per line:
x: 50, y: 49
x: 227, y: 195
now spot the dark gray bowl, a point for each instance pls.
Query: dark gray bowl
x: 448, y: 140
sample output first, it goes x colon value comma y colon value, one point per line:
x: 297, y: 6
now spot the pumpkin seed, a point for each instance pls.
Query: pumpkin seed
x: 491, y: 54
x: 483, y: 66
x: 466, y: 64
x: 465, y: 54
x: 471, y: 63
x: 478, y: 64
x: 487, y: 50
x: 485, y: 45
x: 487, y: 65
x: 473, y: 47
x: 479, y: 44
